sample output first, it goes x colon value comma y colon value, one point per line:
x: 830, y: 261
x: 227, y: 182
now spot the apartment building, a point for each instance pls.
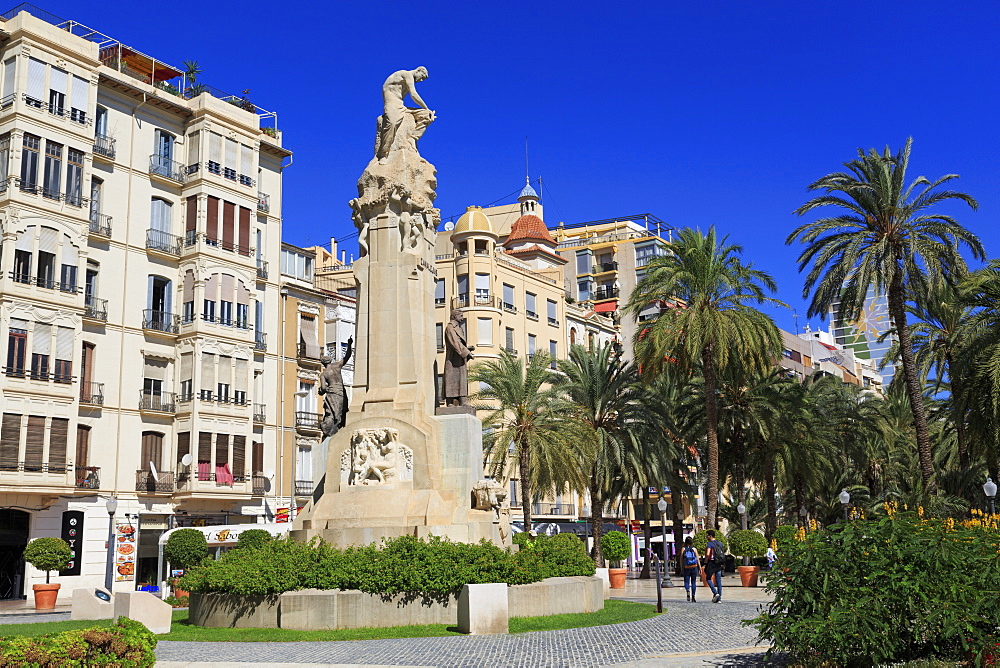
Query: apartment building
x: 139, y: 215
x: 817, y: 351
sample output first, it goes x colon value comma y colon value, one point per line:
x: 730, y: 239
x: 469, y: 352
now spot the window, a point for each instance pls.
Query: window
x: 296, y: 265
x: 45, y: 275
x: 463, y: 289
x: 152, y: 450
x: 79, y: 95
x: 552, y: 353
x: 36, y: 83
x: 485, y: 331
x: 305, y: 398
x: 550, y: 307
x: 439, y: 336
x: 303, y: 464
x: 74, y: 177
x: 163, y: 148
x: 9, y: 79
x: 51, y: 188
x: 222, y: 392
x: 160, y: 215
x: 187, y: 390
x: 508, y: 340
x: 64, y: 354
x: 225, y: 313
x: 645, y: 254
x: 4, y: 158
x: 187, y: 312
x: 29, y: 163
x: 242, y: 316
x: 208, y: 312
x: 482, y: 288
x: 508, y: 298
x: 41, y: 348
x: 158, y: 298
x: 101, y: 122
x: 583, y: 262
x: 207, y: 379
x: 583, y: 291
x: 153, y: 380
x: 22, y: 264
x: 531, y: 344
x: 529, y: 305
x: 439, y: 297
x: 57, y: 91
x: 17, y: 341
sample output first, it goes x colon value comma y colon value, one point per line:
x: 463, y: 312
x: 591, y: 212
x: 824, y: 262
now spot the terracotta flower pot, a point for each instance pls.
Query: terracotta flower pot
x: 748, y: 575
x: 45, y: 596
x: 617, y: 577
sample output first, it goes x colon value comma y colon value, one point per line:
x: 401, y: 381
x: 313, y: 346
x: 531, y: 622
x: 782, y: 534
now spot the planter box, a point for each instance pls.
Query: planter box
x: 233, y: 611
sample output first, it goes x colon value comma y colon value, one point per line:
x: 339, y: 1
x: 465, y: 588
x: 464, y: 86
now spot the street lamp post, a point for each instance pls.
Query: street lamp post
x: 990, y: 488
x: 662, y: 507
x: 803, y: 513
x: 742, y: 510
x: 112, y: 506
x: 845, y: 501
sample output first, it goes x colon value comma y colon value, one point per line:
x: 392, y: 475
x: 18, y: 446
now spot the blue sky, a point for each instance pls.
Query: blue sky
x: 699, y: 113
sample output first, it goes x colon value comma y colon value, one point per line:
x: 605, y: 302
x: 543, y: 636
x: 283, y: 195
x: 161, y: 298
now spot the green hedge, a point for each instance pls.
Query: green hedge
x: 785, y: 534
x: 185, y: 548
x: 433, y: 569
x: 127, y: 644
x: 252, y: 539
x: 874, y: 592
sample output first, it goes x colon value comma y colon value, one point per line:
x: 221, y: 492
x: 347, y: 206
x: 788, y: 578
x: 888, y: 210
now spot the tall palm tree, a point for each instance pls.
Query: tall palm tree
x: 524, y: 430
x: 885, y: 238
x: 982, y: 292
x: 707, y: 322
x: 606, y: 402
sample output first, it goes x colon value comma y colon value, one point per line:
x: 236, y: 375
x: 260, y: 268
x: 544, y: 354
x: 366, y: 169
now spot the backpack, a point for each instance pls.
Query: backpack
x: 690, y: 560
x: 718, y: 553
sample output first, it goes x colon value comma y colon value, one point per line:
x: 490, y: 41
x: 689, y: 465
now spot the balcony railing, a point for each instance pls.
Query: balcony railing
x: 307, y: 420
x: 34, y: 467
x: 510, y: 308
x: 482, y: 301
x: 164, y: 242
x: 307, y: 352
x: 260, y: 341
x: 606, y: 293
x: 259, y: 413
x: 263, y: 202
x: 258, y: 486
x: 303, y: 487
x: 601, y: 267
x: 100, y: 224
x: 95, y: 309
x: 146, y: 483
x: 262, y: 270
x: 161, y: 403
x: 92, y: 393
x: 160, y: 321
x: 168, y: 169
x: 554, y: 509
x: 187, y: 480
x: 190, y: 239
x: 104, y: 145
x: 88, y: 477
x: 43, y: 282
x: 553, y: 321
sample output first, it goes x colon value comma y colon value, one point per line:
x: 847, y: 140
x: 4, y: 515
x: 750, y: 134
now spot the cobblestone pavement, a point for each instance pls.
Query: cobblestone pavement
x: 12, y: 618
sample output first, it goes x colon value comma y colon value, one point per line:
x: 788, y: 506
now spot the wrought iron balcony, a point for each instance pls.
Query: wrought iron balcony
x: 258, y: 486
x: 92, y: 393
x: 260, y: 341
x: 475, y: 301
x: 303, y: 487
x: 263, y: 202
x: 307, y: 420
x: 602, y: 267
x: 163, y: 241
x: 262, y: 270
x: 160, y: 321
x: 606, y: 293
x: 100, y: 224
x: 95, y: 309
x: 104, y: 146
x: 167, y: 168
x: 259, y: 413
x: 553, y: 321
x: 88, y: 477
x: 160, y: 403
x: 146, y: 483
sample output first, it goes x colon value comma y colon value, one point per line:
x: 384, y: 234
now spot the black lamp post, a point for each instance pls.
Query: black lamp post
x: 803, y: 513
x: 112, y: 506
x: 845, y: 501
x: 990, y: 488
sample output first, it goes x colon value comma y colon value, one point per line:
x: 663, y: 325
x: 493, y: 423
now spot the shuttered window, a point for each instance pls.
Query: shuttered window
x: 191, y: 216
x: 34, y: 444
x: 10, y: 441
x: 194, y: 148
x: 186, y: 366
x: 257, y: 457
x: 207, y: 372
x: 246, y: 160
x: 159, y: 215
x: 212, y: 220
x: 36, y: 80
x: 244, y: 239
x: 9, y: 75
x: 183, y: 447
x: 232, y: 149
x: 152, y: 449
x: 204, y: 455
x: 228, y: 225
x: 58, y: 442
x: 307, y: 333
x: 241, y: 381
x: 79, y: 98
x: 221, y: 450
x: 215, y: 151
x: 82, y: 445
x: 239, y: 456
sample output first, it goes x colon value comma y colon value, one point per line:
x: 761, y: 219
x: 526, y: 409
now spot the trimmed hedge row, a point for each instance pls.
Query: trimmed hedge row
x: 127, y: 644
x: 433, y: 569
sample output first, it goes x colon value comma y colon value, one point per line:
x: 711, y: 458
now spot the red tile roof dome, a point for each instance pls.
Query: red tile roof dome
x: 530, y: 227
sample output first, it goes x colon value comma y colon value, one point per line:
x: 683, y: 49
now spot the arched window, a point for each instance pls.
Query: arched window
x: 572, y: 336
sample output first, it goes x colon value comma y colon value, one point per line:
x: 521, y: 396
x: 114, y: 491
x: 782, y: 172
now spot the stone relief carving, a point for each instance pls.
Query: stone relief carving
x: 376, y: 457
x: 488, y: 494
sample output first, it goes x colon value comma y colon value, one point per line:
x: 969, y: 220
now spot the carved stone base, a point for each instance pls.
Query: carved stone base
x: 455, y: 410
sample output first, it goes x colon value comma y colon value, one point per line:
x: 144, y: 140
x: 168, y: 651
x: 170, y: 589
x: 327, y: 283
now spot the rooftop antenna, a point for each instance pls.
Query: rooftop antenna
x: 795, y: 317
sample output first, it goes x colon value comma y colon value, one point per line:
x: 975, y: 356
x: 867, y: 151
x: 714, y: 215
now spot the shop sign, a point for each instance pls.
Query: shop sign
x: 72, y: 533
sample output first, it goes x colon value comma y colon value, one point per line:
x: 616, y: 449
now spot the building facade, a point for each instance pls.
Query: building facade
x: 140, y: 216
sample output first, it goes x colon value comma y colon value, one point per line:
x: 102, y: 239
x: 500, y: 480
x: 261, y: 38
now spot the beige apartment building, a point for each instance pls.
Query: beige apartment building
x: 140, y: 221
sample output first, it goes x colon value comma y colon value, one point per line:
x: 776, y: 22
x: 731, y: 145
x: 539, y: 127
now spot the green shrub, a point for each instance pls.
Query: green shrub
x: 185, y: 548
x: 747, y: 543
x: 700, y: 541
x: 252, y: 539
x: 616, y: 546
x: 874, y: 592
x: 126, y: 644
x: 432, y: 569
x: 48, y: 554
x: 785, y: 535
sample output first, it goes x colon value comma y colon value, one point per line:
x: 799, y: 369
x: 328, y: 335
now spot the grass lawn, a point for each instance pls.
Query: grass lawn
x: 615, y: 612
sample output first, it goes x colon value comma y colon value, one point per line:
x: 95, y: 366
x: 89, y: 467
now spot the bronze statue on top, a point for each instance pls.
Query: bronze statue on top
x: 331, y: 388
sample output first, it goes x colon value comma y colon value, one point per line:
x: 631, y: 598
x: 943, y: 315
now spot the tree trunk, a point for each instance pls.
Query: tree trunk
x: 712, y: 437
x: 800, y: 499
x: 678, y: 508
x: 770, y: 491
x: 897, y: 311
x: 740, y: 464
x: 958, y: 411
x: 524, y: 470
x: 596, y: 519
x: 647, y: 529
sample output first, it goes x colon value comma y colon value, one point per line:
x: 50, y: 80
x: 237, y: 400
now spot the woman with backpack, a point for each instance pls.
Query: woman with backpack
x: 691, y: 566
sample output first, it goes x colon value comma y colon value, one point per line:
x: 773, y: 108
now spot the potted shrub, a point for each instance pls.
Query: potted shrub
x: 185, y: 549
x: 747, y: 543
x: 616, y: 547
x: 47, y: 554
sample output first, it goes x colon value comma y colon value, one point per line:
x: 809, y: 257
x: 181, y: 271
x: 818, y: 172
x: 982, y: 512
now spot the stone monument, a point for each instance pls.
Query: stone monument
x: 396, y: 468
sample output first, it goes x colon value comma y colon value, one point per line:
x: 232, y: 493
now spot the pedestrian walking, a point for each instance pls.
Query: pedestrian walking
x: 715, y: 559
x: 691, y: 565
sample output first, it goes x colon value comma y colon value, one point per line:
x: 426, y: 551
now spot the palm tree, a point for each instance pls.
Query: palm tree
x: 884, y: 239
x: 606, y: 402
x: 524, y: 430
x: 706, y: 323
